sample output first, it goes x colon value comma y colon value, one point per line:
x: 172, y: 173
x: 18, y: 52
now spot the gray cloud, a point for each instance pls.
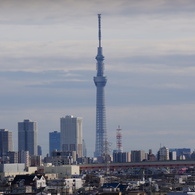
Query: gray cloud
x: 59, y: 11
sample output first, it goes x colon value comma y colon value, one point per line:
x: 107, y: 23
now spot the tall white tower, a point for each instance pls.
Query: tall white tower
x: 71, y: 134
x: 100, y: 82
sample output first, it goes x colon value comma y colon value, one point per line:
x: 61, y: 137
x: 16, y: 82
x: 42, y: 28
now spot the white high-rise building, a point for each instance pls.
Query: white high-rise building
x: 27, y: 137
x: 164, y: 153
x: 71, y: 134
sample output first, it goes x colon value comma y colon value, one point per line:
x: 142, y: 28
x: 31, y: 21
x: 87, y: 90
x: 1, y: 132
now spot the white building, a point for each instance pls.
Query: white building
x: 27, y: 137
x: 65, y: 185
x: 62, y: 171
x: 71, y: 134
x: 173, y: 155
x: 164, y: 153
x: 15, y: 169
x: 38, y: 181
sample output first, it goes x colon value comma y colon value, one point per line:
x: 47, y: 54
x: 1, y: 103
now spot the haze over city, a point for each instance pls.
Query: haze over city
x: 47, y: 66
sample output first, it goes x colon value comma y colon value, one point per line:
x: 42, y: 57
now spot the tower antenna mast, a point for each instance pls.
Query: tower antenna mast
x: 99, y: 27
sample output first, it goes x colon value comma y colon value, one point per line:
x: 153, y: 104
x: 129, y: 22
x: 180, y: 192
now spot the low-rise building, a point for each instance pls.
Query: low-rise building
x: 66, y: 185
x: 36, y: 181
x: 14, y: 169
x: 62, y: 171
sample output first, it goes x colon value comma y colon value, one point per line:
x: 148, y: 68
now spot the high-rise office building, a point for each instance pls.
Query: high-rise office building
x: 54, y: 142
x: 163, y: 153
x: 100, y: 82
x: 6, y: 142
x: 27, y: 136
x: 137, y: 155
x: 172, y: 155
x: 39, y: 150
x: 84, y: 148
x: 121, y: 157
x: 71, y: 134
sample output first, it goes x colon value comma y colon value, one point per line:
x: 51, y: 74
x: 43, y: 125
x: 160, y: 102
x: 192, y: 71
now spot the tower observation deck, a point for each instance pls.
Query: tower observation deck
x: 100, y: 82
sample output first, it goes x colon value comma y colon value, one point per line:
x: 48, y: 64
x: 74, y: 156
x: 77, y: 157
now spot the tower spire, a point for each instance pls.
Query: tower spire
x: 99, y: 27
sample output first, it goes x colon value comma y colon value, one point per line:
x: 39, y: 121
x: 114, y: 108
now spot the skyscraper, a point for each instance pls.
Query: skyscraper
x: 39, y: 150
x: 6, y: 142
x: 27, y: 136
x: 163, y: 153
x: 71, y: 134
x: 84, y: 149
x: 137, y: 155
x: 54, y: 141
x: 100, y: 82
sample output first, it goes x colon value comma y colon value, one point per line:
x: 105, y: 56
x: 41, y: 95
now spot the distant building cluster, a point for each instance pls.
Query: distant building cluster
x: 65, y: 147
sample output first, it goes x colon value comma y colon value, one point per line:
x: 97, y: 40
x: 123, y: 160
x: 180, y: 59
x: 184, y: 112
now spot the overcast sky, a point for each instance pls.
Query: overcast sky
x: 47, y: 65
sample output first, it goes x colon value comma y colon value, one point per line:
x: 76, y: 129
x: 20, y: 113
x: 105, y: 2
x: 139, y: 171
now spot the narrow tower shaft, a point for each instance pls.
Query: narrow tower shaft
x: 119, y: 139
x: 100, y: 82
x: 99, y: 28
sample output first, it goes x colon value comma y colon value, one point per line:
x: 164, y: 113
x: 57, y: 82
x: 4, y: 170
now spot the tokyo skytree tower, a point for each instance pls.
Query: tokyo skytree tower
x: 100, y: 82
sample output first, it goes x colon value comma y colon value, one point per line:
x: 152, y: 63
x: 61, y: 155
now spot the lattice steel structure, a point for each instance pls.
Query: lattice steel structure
x: 100, y: 82
x: 119, y: 139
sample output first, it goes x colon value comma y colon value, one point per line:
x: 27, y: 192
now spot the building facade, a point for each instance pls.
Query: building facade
x: 39, y: 150
x: 71, y: 134
x: 54, y: 142
x: 23, y: 157
x: 181, y: 153
x: 84, y: 148
x: 164, y: 153
x: 137, y: 155
x: 63, y: 171
x: 35, y: 161
x: 121, y: 157
x: 6, y: 142
x: 13, y: 157
x: 27, y: 136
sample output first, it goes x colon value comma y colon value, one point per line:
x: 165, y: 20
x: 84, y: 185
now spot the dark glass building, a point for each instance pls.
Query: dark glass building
x: 54, y: 142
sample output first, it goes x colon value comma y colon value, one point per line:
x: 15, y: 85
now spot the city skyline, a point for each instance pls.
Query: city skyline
x: 47, y: 67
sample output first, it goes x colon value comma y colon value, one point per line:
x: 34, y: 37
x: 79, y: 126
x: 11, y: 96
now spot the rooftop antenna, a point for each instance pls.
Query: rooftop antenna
x: 99, y: 27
